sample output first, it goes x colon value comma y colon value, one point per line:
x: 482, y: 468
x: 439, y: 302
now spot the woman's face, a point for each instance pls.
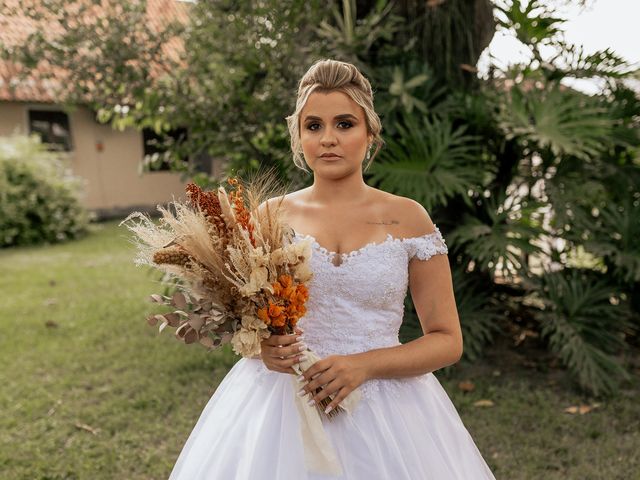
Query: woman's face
x: 333, y: 123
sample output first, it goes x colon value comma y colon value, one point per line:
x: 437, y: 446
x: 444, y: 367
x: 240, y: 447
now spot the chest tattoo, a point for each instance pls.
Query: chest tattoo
x: 391, y: 222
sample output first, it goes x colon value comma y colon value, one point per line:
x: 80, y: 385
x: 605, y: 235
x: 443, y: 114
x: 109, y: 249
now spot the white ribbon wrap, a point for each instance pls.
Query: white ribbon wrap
x: 319, y: 454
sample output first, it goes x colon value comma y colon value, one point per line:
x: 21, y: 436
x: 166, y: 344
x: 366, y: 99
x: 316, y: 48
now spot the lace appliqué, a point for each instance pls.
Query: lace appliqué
x: 396, y: 387
x: 358, y: 305
x: 426, y: 246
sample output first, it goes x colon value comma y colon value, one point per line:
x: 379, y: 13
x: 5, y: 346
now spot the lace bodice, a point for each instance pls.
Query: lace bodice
x: 358, y: 305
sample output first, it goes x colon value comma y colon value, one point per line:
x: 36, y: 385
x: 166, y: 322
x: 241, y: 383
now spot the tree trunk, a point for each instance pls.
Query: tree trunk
x: 451, y: 34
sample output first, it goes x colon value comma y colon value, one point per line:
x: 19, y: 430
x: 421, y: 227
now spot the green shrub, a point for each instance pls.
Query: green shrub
x: 39, y: 197
x: 585, y: 323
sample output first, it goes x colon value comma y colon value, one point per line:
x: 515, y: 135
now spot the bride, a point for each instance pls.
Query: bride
x: 368, y: 248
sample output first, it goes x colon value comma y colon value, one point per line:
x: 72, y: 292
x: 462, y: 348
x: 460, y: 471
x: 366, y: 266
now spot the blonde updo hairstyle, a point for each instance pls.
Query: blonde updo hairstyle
x: 326, y: 76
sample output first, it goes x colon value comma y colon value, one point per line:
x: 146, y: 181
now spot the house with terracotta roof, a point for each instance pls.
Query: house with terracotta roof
x: 109, y: 160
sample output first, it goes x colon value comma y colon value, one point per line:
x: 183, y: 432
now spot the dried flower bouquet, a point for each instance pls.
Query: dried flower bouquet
x: 239, y: 275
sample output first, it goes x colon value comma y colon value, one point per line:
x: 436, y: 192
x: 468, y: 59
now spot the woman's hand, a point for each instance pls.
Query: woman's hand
x: 339, y: 374
x: 280, y: 352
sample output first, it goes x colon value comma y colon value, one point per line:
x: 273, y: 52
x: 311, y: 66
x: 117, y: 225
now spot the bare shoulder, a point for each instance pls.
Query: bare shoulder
x: 288, y: 201
x: 411, y: 215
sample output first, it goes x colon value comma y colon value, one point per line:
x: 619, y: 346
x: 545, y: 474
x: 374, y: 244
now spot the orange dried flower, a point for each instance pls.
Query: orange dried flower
x: 242, y: 214
x: 285, y: 280
x: 263, y: 315
x: 302, y: 294
x: 279, y: 321
x: 275, y: 310
x: 286, y: 307
x: 288, y: 293
x: 209, y: 203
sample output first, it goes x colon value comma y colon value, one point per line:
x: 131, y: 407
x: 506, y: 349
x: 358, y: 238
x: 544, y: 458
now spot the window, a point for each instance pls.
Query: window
x: 156, y: 157
x: 53, y: 128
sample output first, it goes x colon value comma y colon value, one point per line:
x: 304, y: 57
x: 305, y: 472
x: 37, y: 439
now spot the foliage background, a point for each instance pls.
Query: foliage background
x: 40, y: 199
x: 534, y: 184
x: 90, y: 391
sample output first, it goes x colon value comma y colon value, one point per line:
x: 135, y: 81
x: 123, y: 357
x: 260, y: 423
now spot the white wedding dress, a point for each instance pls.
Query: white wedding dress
x: 404, y: 428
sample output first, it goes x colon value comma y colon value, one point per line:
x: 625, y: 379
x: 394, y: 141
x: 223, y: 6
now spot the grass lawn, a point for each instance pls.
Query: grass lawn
x: 89, y: 390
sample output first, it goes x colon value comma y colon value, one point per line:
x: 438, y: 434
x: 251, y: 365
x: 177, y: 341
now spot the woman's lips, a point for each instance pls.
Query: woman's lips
x: 331, y: 157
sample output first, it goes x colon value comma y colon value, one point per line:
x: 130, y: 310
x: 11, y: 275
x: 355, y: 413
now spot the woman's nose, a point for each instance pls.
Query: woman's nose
x: 328, y: 139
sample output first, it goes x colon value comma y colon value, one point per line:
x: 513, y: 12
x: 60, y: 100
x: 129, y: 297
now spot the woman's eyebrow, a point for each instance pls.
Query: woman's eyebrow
x: 337, y: 117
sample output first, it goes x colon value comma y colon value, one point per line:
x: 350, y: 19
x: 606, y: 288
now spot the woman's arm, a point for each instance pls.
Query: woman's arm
x: 431, y: 289
x: 441, y: 344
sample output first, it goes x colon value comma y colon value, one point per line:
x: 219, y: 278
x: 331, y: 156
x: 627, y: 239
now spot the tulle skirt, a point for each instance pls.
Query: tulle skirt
x: 250, y: 430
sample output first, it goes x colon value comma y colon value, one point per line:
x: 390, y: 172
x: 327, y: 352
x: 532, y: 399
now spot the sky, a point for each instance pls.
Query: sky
x: 601, y: 24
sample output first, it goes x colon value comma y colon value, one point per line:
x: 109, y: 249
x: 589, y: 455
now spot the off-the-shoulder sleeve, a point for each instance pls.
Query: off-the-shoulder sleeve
x: 426, y: 246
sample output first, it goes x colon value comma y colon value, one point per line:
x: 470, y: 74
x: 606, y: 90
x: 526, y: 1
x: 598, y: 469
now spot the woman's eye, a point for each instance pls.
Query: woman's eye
x: 347, y: 123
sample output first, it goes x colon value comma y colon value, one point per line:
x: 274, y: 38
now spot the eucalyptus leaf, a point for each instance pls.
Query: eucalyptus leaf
x: 179, y: 300
x: 164, y: 324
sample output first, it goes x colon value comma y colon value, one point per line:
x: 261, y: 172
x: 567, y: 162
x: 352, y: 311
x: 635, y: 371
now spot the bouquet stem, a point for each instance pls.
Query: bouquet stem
x: 310, y: 359
x: 324, y: 403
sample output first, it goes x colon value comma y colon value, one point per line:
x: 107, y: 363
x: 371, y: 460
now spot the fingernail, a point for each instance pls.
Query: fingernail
x: 302, y: 347
x: 300, y: 378
x: 300, y: 338
x: 311, y: 402
x: 328, y: 409
x: 301, y: 393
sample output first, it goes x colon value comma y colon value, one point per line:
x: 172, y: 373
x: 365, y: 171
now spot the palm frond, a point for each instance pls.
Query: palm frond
x: 407, y: 87
x: 500, y: 236
x: 582, y: 326
x: 430, y: 161
x: 565, y: 121
x: 478, y: 315
x: 532, y: 21
x: 602, y: 63
x: 350, y: 38
x: 616, y: 238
